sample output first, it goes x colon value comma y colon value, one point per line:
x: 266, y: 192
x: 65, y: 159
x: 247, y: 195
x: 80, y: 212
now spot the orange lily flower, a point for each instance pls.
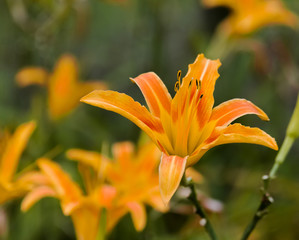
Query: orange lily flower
x: 186, y: 126
x: 133, y: 175
x: 11, y: 148
x: 85, y: 210
x: 251, y: 15
x: 64, y: 89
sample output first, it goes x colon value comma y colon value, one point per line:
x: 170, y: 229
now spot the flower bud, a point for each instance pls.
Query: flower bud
x: 293, y: 127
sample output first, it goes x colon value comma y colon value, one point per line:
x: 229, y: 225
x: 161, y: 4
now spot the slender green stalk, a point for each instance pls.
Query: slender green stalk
x: 285, y: 148
x: 267, y: 200
x: 220, y: 45
x: 102, y: 225
x: 205, y: 222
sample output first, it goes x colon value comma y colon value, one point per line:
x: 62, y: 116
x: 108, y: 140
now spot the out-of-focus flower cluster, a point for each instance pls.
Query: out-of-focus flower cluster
x: 249, y: 16
x: 121, y: 185
x: 12, y: 184
x: 64, y: 88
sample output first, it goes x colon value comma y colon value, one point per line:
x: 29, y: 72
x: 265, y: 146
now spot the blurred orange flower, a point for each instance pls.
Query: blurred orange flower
x: 187, y: 126
x: 64, y: 89
x: 85, y: 210
x: 121, y: 187
x: 134, y: 175
x: 11, y: 148
x: 250, y: 15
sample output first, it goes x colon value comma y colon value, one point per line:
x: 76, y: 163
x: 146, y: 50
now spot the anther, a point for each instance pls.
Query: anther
x: 179, y: 75
x: 198, y: 84
x: 178, y: 83
x: 176, y: 86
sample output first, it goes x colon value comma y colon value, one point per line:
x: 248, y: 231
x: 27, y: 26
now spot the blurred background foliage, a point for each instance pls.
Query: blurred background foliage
x: 115, y: 40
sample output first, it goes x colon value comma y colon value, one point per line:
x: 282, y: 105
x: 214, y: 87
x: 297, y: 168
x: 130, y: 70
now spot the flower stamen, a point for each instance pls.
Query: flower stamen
x: 198, y: 85
x: 178, y: 83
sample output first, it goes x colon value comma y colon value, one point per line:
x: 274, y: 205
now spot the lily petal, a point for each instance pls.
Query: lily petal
x: 64, y: 76
x: 10, y: 191
x: 138, y: 214
x: 66, y: 189
x: 14, y: 149
x: 35, y: 195
x: 250, y: 15
x: 62, y: 87
x: 125, y: 106
x: 114, y: 215
x: 171, y: 171
x: 32, y: 75
x: 123, y: 153
x: 93, y: 159
x: 33, y: 178
x: 104, y: 195
x: 237, y: 133
x: 154, y: 91
x: 230, y: 110
x: 86, y: 222
x: 148, y: 158
x: 206, y: 71
x: 156, y: 202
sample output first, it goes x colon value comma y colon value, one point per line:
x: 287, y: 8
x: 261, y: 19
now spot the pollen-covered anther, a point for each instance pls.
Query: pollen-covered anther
x: 198, y: 84
x: 178, y: 83
x: 176, y: 86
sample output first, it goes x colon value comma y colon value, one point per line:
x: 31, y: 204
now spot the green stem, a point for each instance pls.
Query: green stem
x: 284, y: 150
x: 205, y: 222
x: 102, y: 225
x: 267, y: 200
x: 220, y: 45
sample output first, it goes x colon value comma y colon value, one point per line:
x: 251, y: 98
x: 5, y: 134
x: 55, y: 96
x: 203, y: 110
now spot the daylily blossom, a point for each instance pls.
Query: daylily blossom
x: 121, y: 185
x: 11, y: 148
x: 64, y: 89
x: 84, y: 209
x: 250, y: 15
x: 187, y: 126
x: 133, y: 174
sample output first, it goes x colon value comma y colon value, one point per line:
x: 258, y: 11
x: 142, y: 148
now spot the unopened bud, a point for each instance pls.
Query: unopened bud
x: 293, y: 127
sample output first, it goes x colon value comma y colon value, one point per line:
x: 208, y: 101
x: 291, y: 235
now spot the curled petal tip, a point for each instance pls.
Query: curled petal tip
x: 237, y: 133
x: 274, y: 145
x: 35, y: 195
x: 171, y: 171
x: 138, y: 214
x: 32, y: 76
x: 29, y: 126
